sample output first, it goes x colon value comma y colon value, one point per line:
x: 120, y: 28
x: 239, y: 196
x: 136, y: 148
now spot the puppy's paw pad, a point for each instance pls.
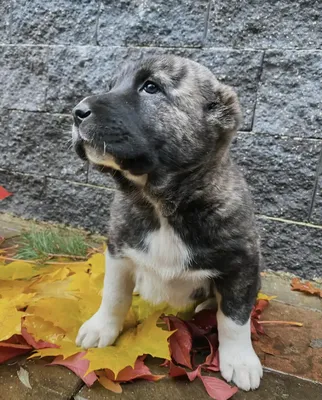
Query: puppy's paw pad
x: 243, y: 368
x: 97, y: 332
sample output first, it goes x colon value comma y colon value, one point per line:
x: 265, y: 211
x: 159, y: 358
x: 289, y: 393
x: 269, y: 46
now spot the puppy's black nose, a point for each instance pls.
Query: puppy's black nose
x: 80, y: 113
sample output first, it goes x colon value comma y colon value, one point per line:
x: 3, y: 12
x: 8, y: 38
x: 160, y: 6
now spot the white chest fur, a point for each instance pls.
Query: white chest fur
x: 162, y: 269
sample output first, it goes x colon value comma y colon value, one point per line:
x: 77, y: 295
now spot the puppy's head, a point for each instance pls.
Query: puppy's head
x: 159, y: 114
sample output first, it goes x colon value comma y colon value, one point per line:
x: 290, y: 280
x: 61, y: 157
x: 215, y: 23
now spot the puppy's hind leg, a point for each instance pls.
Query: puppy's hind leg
x: 105, y: 325
x: 237, y: 358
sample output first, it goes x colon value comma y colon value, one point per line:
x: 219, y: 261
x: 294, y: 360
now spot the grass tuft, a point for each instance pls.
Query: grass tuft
x: 41, y: 244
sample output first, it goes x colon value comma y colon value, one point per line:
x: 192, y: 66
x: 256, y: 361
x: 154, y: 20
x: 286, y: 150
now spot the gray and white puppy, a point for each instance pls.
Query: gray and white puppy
x: 182, y: 225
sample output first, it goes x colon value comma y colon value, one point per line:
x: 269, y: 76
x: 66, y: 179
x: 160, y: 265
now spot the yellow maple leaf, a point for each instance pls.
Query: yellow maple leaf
x: 262, y: 296
x: 147, y: 338
x: 63, y: 313
x: 55, y: 289
x: 88, y: 304
x: 18, y: 270
x: 66, y: 349
x: 11, y: 289
x: 53, y: 274
x: 82, y: 266
x: 97, y: 262
x: 79, y: 283
x: 40, y: 329
x: 142, y: 308
x: 10, y: 320
x: 22, y: 300
x: 130, y: 320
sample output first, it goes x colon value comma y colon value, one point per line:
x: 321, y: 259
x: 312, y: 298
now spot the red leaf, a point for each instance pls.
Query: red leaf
x: 140, y: 371
x: 6, y: 353
x: 193, y: 374
x: 214, y: 364
x: 176, y: 371
x: 15, y: 346
x: 203, y: 322
x: 218, y: 389
x: 35, y: 344
x: 166, y: 364
x: 213, y: 344
x: 78, y: 365
x: 180, y: 342
x: 259, y: 308
x: 305, y: 287
x: 4, y: 193
x: 256, y: 328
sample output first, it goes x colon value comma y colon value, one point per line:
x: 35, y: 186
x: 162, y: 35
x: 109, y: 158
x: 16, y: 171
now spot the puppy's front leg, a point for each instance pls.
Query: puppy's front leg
x: 105, y: 325
x: 238, y: 360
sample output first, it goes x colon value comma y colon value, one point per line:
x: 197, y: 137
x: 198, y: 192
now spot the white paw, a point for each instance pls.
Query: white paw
x: 240, y: 365
x: 98, y: 331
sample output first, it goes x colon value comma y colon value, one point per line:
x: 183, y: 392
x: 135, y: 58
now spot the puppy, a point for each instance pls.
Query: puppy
x: 182, y: 225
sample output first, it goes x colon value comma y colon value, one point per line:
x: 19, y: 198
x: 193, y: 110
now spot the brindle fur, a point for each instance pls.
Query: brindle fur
x: 179, y: 138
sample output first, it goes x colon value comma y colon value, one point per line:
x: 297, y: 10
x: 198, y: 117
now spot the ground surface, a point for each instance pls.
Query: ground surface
x: 292, y: 357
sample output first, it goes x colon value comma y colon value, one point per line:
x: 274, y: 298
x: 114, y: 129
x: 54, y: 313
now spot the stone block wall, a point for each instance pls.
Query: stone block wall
x: 52, y: 54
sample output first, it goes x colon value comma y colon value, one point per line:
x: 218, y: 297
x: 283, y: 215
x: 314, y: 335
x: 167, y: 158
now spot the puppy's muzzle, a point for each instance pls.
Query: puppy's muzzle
x: 108, y: 133
x: 81, y: 112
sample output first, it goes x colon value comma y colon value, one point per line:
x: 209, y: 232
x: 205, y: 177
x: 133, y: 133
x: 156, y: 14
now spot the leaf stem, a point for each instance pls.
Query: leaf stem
x: 280, y: 323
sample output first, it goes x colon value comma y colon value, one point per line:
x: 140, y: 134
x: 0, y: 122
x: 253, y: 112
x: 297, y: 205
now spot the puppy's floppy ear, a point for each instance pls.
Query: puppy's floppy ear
x: 224, y: 111
x: 223, y: 118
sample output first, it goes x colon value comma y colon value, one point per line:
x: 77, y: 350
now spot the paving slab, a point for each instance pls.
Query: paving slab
x: 48, y: 383
x: 291, y: 349
x: 274, y: 386
x: 279, y: 284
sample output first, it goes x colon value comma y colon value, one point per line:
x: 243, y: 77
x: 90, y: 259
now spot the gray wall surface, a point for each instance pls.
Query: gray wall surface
x: 54, y: 53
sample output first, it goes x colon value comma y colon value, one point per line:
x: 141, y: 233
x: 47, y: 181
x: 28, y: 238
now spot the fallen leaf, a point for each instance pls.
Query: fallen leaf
x: 262, y: 296
x: 259, y: 308
x: 65, y: 349
x: 12, y: 288
x: 306, y: 287
x: 217, y: 388
x: 37, y: 330
x: 147, y: 338
x: 15, y: 346
x: 78, y: 365
x: 10, y: 320
x: 65, y: 314
x: 18, y: 270
x: 23, y: 376
x: 213, y: 358
x: 194, y: 374
x: 203, y: 322
x: 108, y: 383
x: 41, y: 344
x: 180, y: 342
x: 142, y: 308
x: 175, y: 371
x: 140, y: 371
x: 4, y: 193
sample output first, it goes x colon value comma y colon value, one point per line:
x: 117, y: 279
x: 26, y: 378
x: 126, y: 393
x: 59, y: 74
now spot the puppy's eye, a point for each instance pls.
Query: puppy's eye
x: 150, y: 87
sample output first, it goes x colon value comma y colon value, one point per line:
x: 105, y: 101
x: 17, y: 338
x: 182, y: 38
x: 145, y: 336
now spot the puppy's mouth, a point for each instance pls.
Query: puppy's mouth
x: 112, y: 157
